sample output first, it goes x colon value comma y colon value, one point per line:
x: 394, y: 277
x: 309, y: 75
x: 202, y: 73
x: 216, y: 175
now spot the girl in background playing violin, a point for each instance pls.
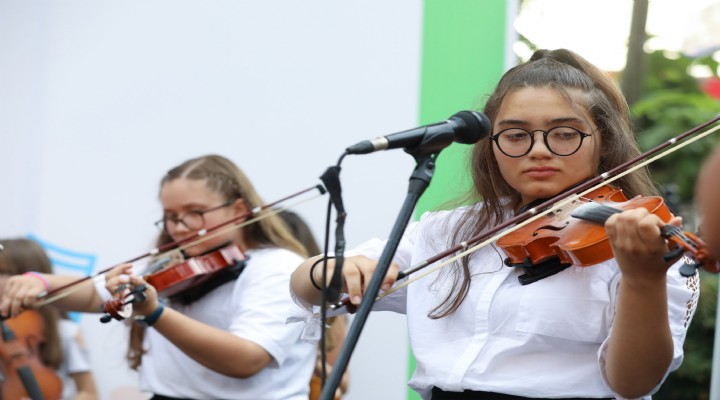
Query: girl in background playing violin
x: 227, y: 339
x: 63, y: 348
x: 613, y: 330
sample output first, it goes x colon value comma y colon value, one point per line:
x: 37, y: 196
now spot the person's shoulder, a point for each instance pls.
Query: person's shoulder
x: 271, y: 252
x: 274, y: 256
x: 67, y: 328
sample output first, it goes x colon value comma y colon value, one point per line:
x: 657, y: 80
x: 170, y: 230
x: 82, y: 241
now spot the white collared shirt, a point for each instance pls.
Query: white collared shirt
x: 254, y: 307
x: 545, y: 339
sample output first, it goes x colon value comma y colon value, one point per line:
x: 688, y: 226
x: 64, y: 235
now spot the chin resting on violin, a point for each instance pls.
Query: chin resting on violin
x: 611, y: 330
x: 228, y: 338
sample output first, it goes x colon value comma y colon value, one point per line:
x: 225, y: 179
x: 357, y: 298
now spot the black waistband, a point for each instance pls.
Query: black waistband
x: 161, y: 397
x: 439, y: 394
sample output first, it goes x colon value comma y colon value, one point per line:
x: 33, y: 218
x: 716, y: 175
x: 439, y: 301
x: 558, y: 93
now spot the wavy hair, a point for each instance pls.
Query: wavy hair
x: 568, y: 73
x: 224, y: 177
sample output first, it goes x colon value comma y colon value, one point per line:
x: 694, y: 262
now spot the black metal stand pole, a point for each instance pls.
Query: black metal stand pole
x: 419, y: 181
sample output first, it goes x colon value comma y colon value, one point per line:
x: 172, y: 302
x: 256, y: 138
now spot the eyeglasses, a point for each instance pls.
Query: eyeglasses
x: 193, y: 220
x: 560, y: 140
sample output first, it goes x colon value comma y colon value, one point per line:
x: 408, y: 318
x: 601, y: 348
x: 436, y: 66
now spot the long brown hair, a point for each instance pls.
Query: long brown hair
x: 23, y: 255
x: 563, y: 70
x: 224, y: 177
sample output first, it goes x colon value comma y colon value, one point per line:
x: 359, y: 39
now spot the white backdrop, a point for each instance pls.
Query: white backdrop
x: 99, y: 98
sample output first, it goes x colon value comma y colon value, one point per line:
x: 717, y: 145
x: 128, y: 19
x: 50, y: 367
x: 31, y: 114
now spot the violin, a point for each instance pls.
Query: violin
x: 24, y: 375
x: 686, y: 243
x: 571, y: 240
x: 196, y: 271
x: 237, y: 222
x: 183, y: 281
x: 575, y: 235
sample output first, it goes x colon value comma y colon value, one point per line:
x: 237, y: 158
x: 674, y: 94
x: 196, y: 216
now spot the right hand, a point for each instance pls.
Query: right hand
x: 357, y: 272
x: 20, y: 292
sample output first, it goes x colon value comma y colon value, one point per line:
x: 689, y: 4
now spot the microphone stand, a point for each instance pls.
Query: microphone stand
x: 419, y: 182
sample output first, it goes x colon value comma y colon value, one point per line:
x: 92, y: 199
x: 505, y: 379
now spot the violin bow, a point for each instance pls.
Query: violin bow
x: 47, y: 297
x: 561, y: 200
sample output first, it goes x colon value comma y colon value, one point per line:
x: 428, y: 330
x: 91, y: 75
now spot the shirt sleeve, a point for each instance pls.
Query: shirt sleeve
x: 264, y: 303
x: 683, y: 293
x: 75, y: 357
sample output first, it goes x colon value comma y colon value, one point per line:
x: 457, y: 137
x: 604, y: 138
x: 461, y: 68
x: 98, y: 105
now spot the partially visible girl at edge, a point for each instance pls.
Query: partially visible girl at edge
x: 612, y: 330
x: 227, y: 339
x: 64, y: 347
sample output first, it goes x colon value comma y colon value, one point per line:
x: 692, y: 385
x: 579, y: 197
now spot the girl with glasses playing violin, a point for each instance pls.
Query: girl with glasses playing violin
x: 477, y: 329
x: 227, y: 337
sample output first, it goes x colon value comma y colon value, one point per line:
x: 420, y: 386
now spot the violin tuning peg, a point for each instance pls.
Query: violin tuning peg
x: 673, y: 254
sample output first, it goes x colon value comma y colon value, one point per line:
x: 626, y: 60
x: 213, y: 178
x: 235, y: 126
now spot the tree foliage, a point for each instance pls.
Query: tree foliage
x: 673, y: 102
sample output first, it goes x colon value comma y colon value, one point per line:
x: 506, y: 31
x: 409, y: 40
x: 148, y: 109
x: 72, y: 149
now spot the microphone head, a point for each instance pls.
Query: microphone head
x: 473, y: 126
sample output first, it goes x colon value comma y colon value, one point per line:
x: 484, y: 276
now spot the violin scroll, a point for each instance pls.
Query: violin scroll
x: 121, y: 308
x: 695, y: 250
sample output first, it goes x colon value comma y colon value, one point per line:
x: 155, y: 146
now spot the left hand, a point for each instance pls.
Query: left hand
x: 637, y: 245
x: 122, y: 276
x: 19, y: 294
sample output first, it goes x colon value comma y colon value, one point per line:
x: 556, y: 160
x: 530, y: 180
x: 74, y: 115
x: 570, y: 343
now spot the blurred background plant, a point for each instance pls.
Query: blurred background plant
x: 673, y: 101
x: 673, y: 98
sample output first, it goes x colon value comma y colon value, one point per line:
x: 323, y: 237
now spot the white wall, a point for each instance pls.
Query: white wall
x: 99, y: 98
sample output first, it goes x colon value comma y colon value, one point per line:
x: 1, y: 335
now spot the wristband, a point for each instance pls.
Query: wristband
x: 149, y: 320
x: 312, y: 272
x: 40, y: 277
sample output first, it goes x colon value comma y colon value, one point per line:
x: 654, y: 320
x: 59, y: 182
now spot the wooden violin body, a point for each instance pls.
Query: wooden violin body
x: 184, y: 281
x: 572, y: 240
x: 195, y: 271
x: 25, y: 376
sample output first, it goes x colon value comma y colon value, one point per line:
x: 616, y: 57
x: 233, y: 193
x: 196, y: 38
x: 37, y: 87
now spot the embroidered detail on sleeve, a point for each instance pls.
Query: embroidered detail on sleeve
x: 312, y: 329
x: 692, y: 283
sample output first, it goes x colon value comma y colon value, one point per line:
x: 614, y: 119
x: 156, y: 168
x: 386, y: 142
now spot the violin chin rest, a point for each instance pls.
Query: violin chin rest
x: 536, y: 272
x: 688, y: 269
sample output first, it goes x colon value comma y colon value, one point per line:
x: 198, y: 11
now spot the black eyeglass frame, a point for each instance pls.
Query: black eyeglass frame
x: 161, y: 223
x: 583, y: 135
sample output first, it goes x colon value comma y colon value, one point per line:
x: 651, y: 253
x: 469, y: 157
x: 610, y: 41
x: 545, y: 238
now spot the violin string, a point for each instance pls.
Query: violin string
x: 198, y: 237
x: 262, y: 214
x: 675, y: 231
x: 675, y: 146
x: 44, y: 298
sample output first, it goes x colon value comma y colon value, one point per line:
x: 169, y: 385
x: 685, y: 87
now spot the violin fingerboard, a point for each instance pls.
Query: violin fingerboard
x: 594, y: 212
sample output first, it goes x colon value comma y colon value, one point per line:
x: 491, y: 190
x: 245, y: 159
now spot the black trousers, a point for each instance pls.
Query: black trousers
x: 439, y: 394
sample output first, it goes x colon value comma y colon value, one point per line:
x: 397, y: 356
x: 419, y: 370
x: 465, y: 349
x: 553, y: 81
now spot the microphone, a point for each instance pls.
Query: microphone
x: 465, y: 127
